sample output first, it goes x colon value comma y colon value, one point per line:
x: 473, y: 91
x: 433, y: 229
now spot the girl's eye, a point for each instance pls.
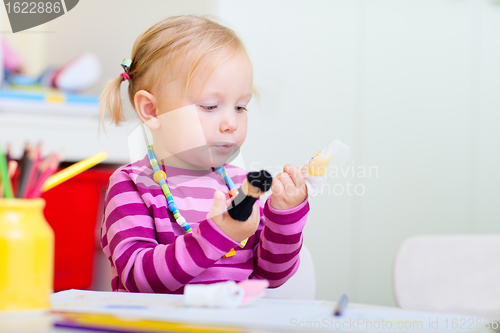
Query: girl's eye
x: 208, y: 107
x: 241, y: 108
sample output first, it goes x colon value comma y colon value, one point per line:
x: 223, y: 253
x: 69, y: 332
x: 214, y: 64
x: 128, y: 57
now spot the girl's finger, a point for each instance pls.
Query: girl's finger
x: 295, y: 174
x: 218, y: 207
x: 256, y: 212
x: 287, y: 181
x: 277, y: 187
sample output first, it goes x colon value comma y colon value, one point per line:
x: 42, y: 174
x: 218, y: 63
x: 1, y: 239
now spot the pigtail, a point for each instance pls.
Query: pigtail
x: 110, y: 99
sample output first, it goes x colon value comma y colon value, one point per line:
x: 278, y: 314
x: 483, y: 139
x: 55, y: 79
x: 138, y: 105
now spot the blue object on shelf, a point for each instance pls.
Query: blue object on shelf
x: 50, y: 96
x: 41, y: 100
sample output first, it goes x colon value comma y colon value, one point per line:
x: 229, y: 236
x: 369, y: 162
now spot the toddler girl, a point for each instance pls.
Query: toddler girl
x: 165, y: 222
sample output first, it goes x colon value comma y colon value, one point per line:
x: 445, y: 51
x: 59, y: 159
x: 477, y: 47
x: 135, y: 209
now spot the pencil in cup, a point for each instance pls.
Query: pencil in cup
x: 25, y: 173
x: 73, y: 170
x: 4, y: 176
x: 50, y: 168
x: 32, y: 172
x: 21, y: 166
x: 11, y: 168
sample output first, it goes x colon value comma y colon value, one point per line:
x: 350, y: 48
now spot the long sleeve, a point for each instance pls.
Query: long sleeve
x: 276, y: 253
x: 129, y: 237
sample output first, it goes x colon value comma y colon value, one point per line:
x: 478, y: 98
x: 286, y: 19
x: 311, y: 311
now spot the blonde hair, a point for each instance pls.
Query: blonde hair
x: 189, y: 38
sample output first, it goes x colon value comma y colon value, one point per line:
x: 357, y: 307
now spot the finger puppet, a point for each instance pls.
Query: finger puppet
x: 256, y: 184
x: 315, y: 170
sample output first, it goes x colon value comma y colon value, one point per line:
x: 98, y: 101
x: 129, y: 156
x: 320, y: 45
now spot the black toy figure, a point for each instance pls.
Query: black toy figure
x: 256, y: 184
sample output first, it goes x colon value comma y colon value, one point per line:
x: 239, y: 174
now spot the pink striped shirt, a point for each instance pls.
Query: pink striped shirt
x: 150, y: 252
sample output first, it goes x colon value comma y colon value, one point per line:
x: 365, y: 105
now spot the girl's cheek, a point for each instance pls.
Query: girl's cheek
x: 209, y: 130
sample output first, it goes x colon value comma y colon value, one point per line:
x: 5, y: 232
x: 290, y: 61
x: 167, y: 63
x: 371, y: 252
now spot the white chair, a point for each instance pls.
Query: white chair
x: 454, y: 273
x: 302, y: 285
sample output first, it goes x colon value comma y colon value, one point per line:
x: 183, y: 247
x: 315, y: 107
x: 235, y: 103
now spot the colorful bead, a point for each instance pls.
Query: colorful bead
x: 151, y: 155
x: 160, y: 174
x: 230, y: 253
x: 221, y: 171
x: 232, y: 193
x: 177, y: 215
x: 243, y: 243
x: 229, y: 183
x: 165, y: 189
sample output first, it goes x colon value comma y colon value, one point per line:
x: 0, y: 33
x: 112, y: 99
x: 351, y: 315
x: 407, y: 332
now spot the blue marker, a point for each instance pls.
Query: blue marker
x: 341, y: 305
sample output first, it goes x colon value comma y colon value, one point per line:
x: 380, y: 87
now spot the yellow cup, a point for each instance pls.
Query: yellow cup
x: 26, y: 255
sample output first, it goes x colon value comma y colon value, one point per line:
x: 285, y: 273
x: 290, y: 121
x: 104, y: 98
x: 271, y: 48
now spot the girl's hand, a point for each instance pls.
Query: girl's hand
x: 236, y: 230
x: 289, y: 188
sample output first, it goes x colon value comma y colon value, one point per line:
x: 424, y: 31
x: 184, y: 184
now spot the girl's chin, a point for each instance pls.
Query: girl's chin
x: 205, y: 157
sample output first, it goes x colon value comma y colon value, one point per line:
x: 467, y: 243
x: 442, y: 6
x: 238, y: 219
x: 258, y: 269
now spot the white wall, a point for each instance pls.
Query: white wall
x: 412, y: 87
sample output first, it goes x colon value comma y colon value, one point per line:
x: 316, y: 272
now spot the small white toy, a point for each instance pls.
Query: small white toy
x: 224, y: 294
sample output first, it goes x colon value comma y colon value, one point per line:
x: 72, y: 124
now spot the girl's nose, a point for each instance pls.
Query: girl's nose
x: 229, y: 122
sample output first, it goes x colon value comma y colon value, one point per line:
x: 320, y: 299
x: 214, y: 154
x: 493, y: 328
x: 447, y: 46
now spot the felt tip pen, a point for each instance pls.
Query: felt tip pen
x: 341, y: 305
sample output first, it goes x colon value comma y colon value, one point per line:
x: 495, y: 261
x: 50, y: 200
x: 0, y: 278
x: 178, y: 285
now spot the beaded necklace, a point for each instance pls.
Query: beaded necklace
x: 160, y: 177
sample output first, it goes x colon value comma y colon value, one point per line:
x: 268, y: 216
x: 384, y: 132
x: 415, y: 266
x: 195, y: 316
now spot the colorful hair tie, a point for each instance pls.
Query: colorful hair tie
x: 125, y: 76
x: 126, y: 67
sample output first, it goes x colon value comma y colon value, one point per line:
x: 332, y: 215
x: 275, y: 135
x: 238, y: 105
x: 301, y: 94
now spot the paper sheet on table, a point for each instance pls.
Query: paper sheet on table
x: 262, y: 314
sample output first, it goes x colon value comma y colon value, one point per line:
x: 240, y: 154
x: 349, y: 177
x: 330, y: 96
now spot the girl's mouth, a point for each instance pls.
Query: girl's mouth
x: 223, y: 148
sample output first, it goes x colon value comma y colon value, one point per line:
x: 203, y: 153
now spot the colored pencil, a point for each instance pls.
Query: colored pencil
x: 17, y: 177
x: 4, y: 176
x: 73, y: 170
x: 26, y: 172
x: 44, y: 164
x: 12, y: 168
x: 7, y: 153
x: 37, y: 157
x: 47, y: 171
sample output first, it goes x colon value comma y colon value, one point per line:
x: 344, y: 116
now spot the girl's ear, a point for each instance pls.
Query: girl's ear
x: 146, y: 106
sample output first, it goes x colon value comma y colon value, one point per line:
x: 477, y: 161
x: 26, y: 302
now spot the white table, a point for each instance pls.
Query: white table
x: 44, y: 324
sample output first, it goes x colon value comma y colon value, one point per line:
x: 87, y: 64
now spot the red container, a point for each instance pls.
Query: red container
x: 74, y: 209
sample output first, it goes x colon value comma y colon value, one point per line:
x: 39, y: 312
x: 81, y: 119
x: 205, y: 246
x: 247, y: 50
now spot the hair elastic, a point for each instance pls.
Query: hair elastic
x: 126, y: 67
x: 125, y: 76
